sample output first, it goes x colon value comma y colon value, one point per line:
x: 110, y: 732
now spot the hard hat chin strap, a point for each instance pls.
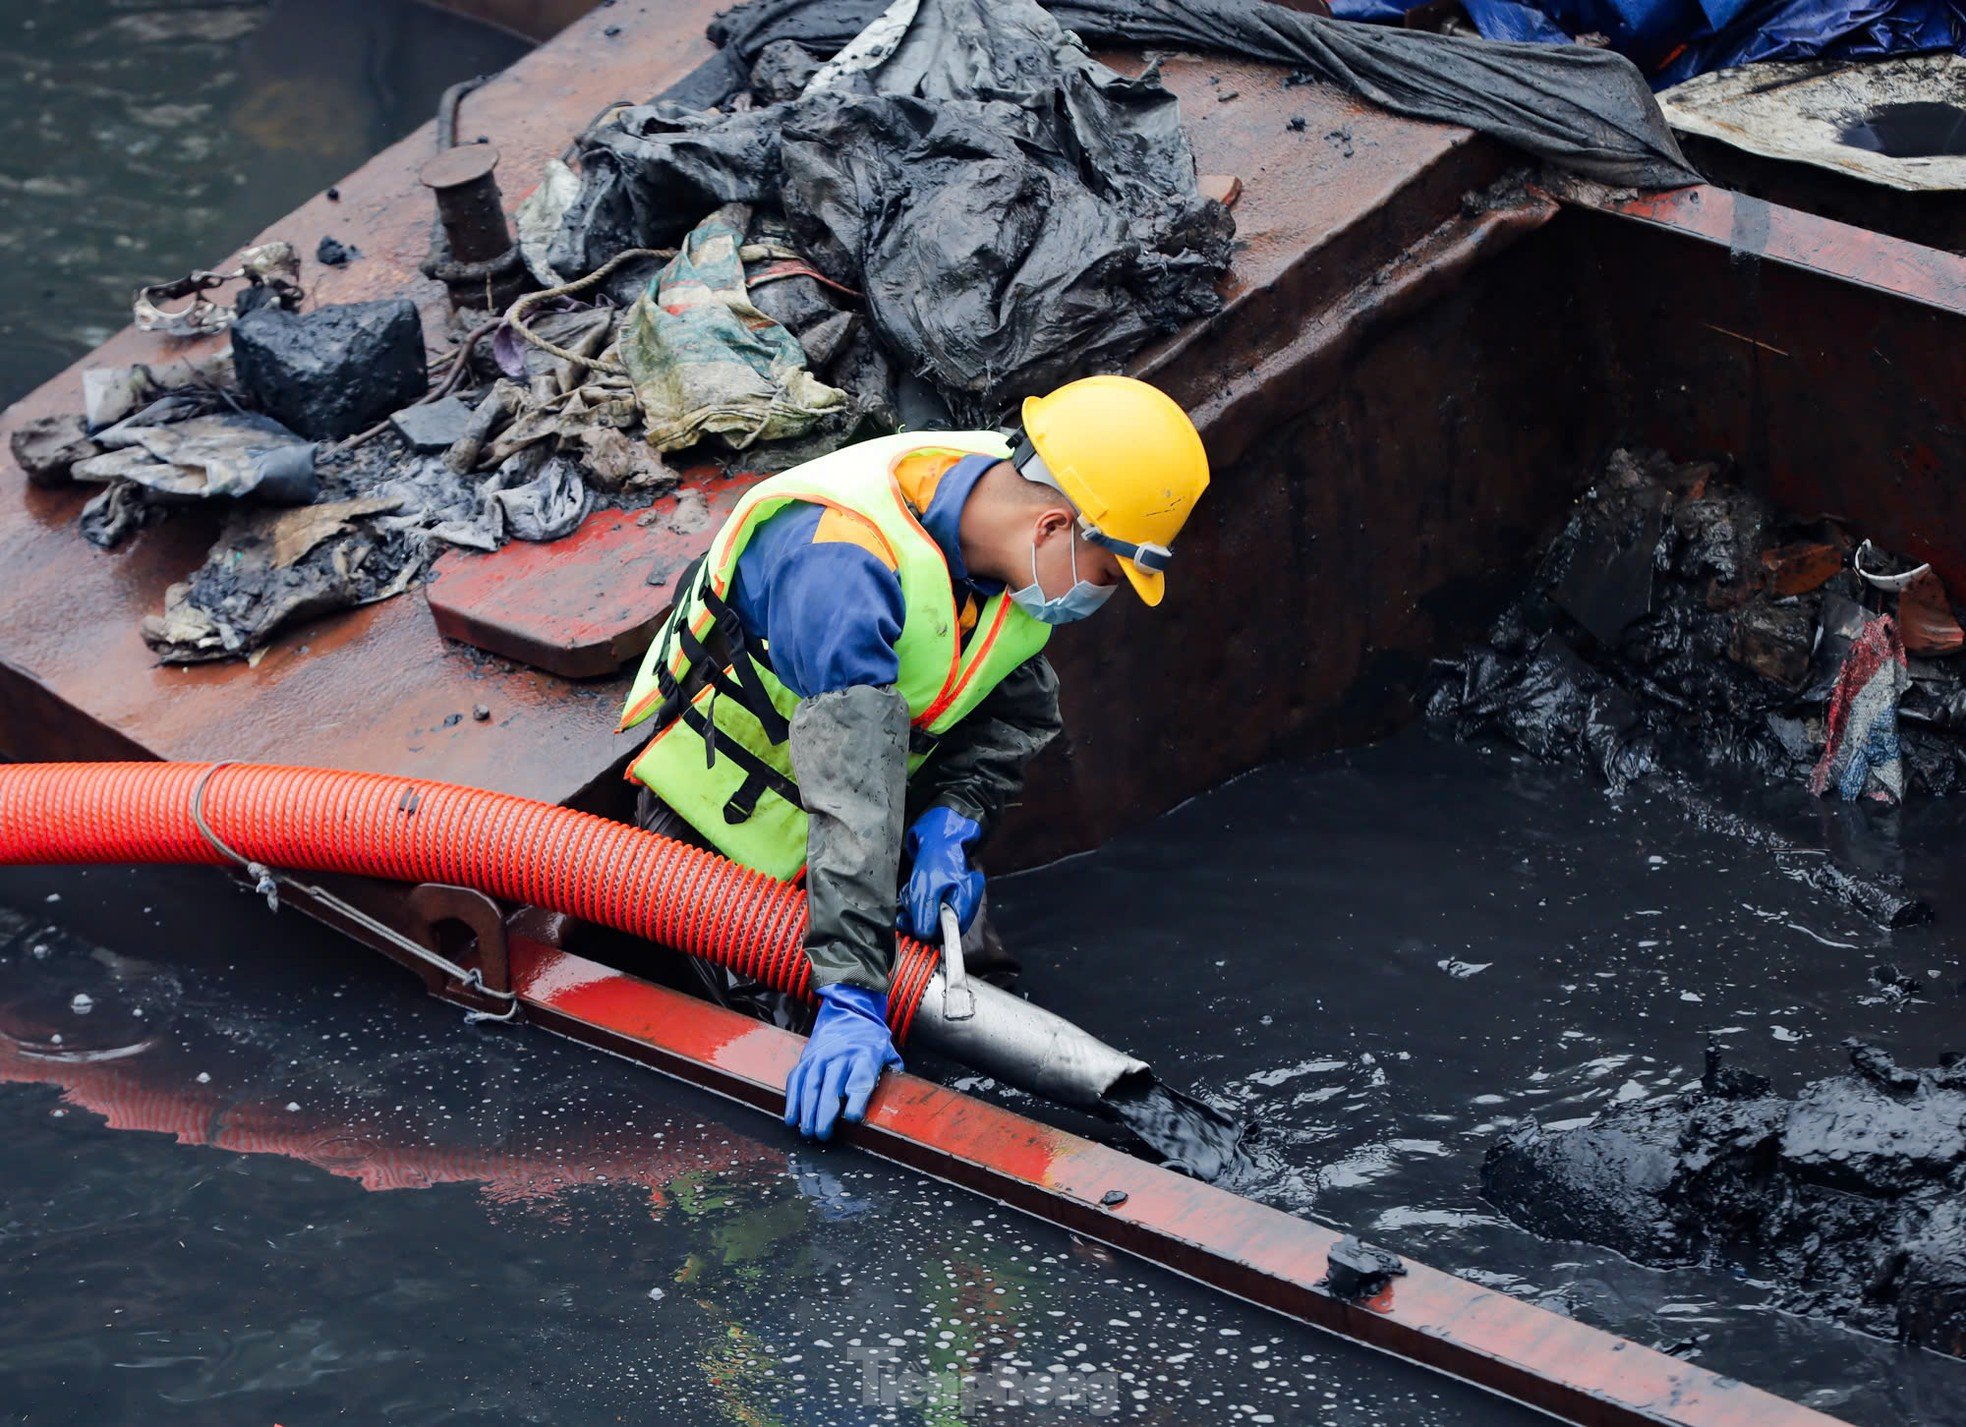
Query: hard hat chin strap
x: 1030, y: 465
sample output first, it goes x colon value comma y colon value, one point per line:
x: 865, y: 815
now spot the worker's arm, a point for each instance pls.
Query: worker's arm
x: 978, y: 766
x: 850, y: 758
x: 975, y: 770
x: 831, y: 610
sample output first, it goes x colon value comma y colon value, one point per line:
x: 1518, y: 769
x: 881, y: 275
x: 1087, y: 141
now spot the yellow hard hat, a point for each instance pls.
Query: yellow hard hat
x: 1127, y: 458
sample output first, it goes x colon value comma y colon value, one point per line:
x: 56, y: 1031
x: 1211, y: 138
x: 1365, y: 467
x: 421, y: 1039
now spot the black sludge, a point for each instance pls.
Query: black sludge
x: 1852, y: 1195
x: 1195, y: 1138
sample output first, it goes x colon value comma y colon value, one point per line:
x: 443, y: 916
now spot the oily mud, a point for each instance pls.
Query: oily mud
x: 1849, y: 1196
x: 1678, y: 622
x: 1188, y: 1134
x: 1385, y: 959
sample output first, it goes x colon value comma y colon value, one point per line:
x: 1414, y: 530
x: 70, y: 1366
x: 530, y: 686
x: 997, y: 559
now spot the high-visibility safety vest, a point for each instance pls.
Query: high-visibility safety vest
x: 720, y: 755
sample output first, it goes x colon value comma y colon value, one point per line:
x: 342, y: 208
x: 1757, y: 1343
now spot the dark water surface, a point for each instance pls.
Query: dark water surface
x: 142, y: 138
x: 1383, y: 957
x: 260, y: 1178
x: 254, y: 1176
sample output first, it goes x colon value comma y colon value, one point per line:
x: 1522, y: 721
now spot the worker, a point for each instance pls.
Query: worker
x: 852, y: 679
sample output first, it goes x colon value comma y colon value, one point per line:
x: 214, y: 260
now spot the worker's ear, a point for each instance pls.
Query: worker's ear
x: 1050, y: 523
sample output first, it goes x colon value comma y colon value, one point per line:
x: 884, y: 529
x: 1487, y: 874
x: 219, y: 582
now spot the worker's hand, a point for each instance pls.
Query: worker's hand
x: 844, y: 1056
x: 939, y: 871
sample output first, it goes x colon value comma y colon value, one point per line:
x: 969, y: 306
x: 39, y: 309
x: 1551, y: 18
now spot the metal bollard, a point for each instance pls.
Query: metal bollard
x: 480, y: 263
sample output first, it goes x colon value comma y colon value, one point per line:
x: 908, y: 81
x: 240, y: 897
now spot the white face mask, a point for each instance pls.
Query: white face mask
x: 1076, y: 603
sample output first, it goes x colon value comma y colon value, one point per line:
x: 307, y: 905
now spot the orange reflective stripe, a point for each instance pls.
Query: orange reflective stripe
x: 840, y: 527
x: 919, y: 472
x: 641, y: 709
x: 977, y: 654
x: 723, y: 570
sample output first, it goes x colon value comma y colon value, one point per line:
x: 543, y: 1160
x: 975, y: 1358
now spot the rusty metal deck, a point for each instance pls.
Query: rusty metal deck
x: 378, y: 688
x: 1399, y: 397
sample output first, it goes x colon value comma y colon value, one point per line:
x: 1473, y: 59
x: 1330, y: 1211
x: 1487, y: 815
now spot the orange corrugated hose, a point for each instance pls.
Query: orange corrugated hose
x: 413, y: 830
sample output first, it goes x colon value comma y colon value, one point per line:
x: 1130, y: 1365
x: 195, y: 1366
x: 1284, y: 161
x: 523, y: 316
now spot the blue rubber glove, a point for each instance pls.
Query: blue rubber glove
x: 844, y: 1056
x: 939, y: 871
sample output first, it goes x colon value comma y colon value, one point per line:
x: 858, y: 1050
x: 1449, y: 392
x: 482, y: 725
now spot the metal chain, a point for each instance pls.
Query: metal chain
x: 267, y: 883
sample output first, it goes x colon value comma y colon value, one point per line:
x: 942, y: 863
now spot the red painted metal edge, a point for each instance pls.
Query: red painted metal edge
x: 1575, y: 1372
x: 1755, y: 228
x: 584, y: 606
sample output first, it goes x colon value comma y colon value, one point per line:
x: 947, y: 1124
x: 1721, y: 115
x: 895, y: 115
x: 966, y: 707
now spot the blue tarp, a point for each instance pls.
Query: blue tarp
x: 1673, y: 40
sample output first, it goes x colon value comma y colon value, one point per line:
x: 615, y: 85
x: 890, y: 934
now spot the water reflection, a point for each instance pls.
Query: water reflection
x: 339, y: 1199
x: 140, y: 140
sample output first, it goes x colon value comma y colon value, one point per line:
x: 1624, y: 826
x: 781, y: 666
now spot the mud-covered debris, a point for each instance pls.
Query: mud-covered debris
x: 896, y: 167
x: 115, y: 513
x: 1775, y: 641
x: 432, y: 425
x: 334, y: 371
x: 47, y: 447
x: 111, y: 393
x: 1577, y: 107
x: 271, y: 272
x: 1862, y: 754
x: 705, y: 361
x: 782, y: 71
x: 1805, y: 565
x: 224, y: 454
x: 1679, y: 622
x: 1849, y: 1195
x: 1925, y: 617
x: 269, y: 568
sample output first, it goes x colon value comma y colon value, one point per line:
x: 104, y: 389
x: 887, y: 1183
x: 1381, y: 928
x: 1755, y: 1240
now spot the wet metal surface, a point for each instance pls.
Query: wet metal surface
x: 1382, y: 958
x: 255, y: 1175
x: 585, y: 606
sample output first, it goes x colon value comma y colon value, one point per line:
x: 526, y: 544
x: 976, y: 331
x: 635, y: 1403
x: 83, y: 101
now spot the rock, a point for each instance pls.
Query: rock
x: 48, y: 446
x: 782, y: 70
x: 434, y: 425
x: 333, y: 253
x: 335, y: 371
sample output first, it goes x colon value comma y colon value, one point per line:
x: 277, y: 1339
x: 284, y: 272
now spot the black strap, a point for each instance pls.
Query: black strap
x: 731, y: 668
x: 758, y: 774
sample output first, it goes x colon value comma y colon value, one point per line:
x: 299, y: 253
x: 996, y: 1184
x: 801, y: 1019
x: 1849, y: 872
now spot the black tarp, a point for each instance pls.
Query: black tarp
x: 1586, y: 110
x: 1014, y: 212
